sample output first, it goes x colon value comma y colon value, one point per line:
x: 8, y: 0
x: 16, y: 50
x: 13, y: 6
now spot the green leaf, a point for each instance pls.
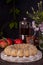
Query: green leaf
x: 17, y: 11
x: 11, y: 25
x: 30, y: 15
x: 8, y: 1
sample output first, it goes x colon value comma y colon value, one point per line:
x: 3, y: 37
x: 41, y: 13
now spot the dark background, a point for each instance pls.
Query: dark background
x: 5, y: 17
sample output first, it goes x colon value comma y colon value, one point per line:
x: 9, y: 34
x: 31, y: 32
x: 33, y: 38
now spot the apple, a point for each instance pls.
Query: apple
x: 9, y: 41
x: 18, y: 41
x: 3, y: 44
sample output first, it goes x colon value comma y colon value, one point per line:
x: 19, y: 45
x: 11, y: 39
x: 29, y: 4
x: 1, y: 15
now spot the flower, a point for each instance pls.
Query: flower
x: 37, y: 15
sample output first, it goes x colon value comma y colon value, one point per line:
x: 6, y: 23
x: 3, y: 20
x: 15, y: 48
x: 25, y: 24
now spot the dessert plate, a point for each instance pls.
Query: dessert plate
x: 37, y: 57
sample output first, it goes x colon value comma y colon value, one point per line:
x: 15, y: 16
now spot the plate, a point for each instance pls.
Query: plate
x: 21, y: 59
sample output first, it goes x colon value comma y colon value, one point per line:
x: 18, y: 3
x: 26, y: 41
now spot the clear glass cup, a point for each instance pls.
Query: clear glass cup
x: 30, y: 39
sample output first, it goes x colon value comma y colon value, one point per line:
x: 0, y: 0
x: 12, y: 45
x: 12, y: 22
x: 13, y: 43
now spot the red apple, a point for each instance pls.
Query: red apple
x: 9, y: 41
x: 3, y: 44
x: 18, y: 41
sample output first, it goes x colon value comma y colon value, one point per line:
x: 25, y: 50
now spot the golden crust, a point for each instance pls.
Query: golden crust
x: 20, y: 53
x: 14, y: 52
x: 21, y: 50
x: 26, y: 53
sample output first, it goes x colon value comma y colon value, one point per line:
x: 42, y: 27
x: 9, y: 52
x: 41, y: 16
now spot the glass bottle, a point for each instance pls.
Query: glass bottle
x: 23, y: 29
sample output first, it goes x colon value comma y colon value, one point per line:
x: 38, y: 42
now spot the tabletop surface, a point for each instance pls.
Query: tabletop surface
x: 39, y: 62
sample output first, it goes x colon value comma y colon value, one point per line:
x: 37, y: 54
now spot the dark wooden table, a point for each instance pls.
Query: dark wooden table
x: 2, y: 62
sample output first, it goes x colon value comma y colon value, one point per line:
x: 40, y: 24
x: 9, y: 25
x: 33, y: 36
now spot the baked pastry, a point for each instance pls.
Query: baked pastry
x: 21, y: 50
x: 20, y: 53
x: 32, y: 50
x: 26, y: 53
x: 7, y: 50
x: 14, y: 52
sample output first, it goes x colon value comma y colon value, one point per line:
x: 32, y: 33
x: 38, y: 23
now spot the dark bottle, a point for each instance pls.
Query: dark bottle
x: 23, y: 29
